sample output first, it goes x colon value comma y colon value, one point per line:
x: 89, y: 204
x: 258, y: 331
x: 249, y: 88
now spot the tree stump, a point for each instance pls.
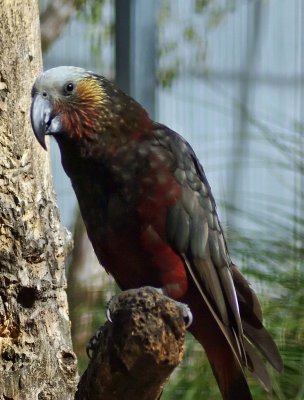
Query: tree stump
x: 137, y: 351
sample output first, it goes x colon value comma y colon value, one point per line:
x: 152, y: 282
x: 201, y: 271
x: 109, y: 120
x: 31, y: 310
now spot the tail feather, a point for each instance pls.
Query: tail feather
x: 232, y: 381
x: 224, y: 343
x: 264, y: 342
x: 226, y: 366
x: 256, y: 365
x: 252, y: 321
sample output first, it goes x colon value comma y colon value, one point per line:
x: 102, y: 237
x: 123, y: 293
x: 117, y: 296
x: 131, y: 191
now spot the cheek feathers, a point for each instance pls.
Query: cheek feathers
x: 81, y: 113
x: 90, y: 92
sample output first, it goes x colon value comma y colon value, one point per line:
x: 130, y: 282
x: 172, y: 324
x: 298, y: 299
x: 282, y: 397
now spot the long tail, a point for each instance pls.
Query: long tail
x: 222, y: 347
x: 254, y: 331
x: 224, y: 361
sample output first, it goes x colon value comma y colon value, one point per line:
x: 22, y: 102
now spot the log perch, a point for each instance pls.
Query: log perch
x: 137, y: 351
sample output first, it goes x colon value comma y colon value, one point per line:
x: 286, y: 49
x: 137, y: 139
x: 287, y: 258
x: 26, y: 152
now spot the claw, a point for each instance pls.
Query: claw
x: 108, y: 315
x: 187, y: 314
x: 93, y: 342
x: 89, y: 351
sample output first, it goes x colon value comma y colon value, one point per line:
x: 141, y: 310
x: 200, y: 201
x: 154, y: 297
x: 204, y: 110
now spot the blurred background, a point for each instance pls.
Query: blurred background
x: 229, y: 76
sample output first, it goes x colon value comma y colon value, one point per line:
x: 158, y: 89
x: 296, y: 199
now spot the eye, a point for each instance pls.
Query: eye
x: 69, y: 87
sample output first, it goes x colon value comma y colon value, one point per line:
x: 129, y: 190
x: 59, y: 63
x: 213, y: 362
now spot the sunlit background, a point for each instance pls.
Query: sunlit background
x: 229, y: 76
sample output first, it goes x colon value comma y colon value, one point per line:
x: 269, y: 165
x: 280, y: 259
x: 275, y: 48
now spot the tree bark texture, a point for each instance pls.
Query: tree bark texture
x: 137, y: 351
x: 36, y: 358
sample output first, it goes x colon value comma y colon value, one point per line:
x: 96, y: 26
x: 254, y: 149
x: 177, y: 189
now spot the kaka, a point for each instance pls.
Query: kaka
x: 151, y: 217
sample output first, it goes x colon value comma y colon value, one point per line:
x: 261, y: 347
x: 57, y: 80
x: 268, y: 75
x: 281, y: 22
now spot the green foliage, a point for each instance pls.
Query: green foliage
x: 283, y: 294
x: 193, y: 35
x: 89, y: 314
x: 101, y: 27
x: 200, y: 5
x: 90, y: 9
x: 193, y: 379
x: 190, y: 33
x: 168, y: 74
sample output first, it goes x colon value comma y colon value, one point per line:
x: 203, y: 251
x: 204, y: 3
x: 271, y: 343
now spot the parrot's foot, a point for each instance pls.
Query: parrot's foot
x: 187, y: 314
x: 93, y: 342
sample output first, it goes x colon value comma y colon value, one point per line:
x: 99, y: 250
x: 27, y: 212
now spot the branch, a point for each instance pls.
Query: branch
x: 54, y: 20
x: 138, y: 351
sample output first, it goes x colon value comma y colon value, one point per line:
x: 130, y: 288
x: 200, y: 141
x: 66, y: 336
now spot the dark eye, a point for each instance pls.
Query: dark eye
x: 69, y: 87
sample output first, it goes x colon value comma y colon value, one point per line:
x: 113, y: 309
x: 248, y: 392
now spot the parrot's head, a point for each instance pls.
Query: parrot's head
x: 70, y: 102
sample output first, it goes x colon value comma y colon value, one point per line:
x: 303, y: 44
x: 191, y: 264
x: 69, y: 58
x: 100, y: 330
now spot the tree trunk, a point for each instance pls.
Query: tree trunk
x: 36, y: 361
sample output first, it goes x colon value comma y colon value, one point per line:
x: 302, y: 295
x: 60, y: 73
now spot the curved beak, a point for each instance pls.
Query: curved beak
x: 41, y: 111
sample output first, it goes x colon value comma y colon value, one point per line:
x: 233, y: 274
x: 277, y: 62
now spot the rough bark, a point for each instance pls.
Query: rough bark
x: 36, y: 359
x: 137, y: 351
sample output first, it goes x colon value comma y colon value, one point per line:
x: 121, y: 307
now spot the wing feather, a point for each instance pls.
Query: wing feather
x: 193, y: 230
x: 205, y: 297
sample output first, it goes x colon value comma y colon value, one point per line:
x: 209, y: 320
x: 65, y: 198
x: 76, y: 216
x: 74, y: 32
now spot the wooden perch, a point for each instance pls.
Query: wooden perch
x: 137, y: 351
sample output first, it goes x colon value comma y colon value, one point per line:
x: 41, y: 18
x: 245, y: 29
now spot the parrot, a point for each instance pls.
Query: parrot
x: 151, y: 217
